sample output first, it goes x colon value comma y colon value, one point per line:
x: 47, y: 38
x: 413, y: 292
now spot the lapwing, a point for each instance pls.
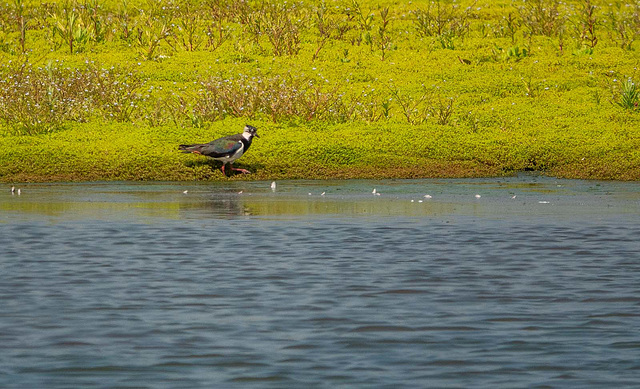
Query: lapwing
x: 226, y: 149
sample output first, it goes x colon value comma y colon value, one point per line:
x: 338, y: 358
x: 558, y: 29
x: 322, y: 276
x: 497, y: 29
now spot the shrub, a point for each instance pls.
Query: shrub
x: 277, y: 97
x: 40, y: 100
x: 439, y: 19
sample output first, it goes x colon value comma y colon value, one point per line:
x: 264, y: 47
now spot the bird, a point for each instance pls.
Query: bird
x: 226, y: 149
x: 464, y: 61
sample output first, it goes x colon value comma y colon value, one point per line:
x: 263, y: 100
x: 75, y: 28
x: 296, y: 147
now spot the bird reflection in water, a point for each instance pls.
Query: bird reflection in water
x: 224, y: 207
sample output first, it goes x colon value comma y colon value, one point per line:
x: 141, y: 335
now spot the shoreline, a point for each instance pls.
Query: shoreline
x: 216, y: 176
x: 130, y: 152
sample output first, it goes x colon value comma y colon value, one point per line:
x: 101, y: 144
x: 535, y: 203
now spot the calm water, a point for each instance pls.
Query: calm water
x: 125, y: 285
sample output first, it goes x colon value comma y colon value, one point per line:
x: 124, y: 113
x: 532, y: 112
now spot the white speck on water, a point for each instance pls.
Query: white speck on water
x: 185, y: 192
x: 543, y: 202
x: 13, y: 190
x: 322, y: 194
x: 513, y: 197
x: 19, y: 191
x: 478, y: 196
x: 240, y: 192
x: 273, y: 186
x: 428, y: 196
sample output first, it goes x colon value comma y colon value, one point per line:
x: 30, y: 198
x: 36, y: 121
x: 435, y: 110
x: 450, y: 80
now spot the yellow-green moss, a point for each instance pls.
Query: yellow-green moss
x: 531, y: 102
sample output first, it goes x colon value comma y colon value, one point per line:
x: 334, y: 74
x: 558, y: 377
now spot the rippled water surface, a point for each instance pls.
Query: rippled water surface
x: 535, y: 283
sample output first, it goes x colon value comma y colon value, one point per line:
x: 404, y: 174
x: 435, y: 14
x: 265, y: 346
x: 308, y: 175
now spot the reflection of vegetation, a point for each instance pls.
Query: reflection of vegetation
x: 347, y: 208
x: 106, y: 89
x: 97, y: 210
x: 223, y: 206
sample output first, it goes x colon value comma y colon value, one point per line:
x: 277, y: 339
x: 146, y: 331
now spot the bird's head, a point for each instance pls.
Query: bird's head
x: 250, y: 132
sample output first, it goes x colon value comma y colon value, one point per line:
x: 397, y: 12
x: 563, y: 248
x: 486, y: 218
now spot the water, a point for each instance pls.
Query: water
x: 125, y: 285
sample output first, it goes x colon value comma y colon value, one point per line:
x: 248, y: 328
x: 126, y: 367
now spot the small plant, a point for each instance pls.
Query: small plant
x: 624, y: 26
x: 542, y: 17
x: 22, y: 21
x: 178, y: 108
x: 584, y: 50
x: 280, y: 23
x: 345, y: 56
x: 429, y: 104
x: 323, y: 27
x: 413, y: 109
x: 189, y: 31
x: 250, y: 20
x: 366, y: 106
x: 125, y: 22
x: 531, y: 89
x: 364, y: 22
x: 597, y: 97
x: 6, y: 43
x: 511, y: 26
x: 442, y: 20
x: 97, y: 24
x: 470, y: 119
x: 69, y: 26
x: 517, y: 53
x: 328, y: 26
x: 442, y: 110
x: 586, y: 24
x: 216, y: 36
x: 514, y: 53
x: 383, y: 39
x: 629, y: 96
x: 446, y: 41
x: 216, y: 32
x: 386, y: 109
x: 150, y: 33
x: 424, y: 22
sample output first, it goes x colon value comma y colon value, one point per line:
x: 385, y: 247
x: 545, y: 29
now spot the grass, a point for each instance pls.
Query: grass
x: 347, y: 89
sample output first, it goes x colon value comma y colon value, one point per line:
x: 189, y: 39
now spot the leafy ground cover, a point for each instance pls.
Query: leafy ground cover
x: 338, y: 89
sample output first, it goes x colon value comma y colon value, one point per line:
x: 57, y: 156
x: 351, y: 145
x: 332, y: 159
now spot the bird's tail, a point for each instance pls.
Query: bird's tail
x: 190, y: 148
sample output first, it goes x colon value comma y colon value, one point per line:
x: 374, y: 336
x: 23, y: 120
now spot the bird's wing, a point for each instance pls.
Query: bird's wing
x: 228, y: 145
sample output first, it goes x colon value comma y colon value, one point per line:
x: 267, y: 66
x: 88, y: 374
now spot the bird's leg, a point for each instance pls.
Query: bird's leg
x: 222, y: 168
x: 243, y: 171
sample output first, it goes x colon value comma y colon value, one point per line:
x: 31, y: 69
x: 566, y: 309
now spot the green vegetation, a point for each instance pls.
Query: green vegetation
x: 94, y: 90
